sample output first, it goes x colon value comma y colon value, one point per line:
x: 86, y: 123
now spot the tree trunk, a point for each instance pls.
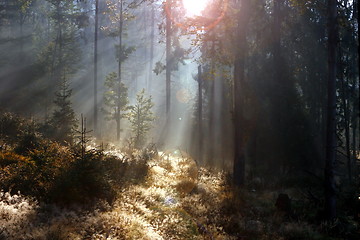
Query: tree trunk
x: 168, y: 61
x: 96, y: 66
x: 281, y: 91
x: 211, y: 113
x: 118, y: 127
x: 152, y: 39
x: 211, y: 130
x: 345, y: 106
x: 239, y: 77
x: 354, y: 128
x: 146, y: 38
x: 330, y: 198
x: 356, y: 14
x: 200, y: 137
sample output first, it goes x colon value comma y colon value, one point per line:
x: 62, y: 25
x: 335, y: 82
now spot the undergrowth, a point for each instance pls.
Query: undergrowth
x: 52, y: 191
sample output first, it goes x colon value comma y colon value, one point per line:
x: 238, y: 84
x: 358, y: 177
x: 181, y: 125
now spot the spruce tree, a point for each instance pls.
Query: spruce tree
x: 115, y: 100
x: 63, y: 119
x: 141, y: 118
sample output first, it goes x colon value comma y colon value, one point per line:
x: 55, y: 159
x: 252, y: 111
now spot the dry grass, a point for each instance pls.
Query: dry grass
x: 176, y: 200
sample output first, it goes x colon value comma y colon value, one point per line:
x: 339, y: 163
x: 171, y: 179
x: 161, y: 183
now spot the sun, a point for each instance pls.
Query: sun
x: 194, y: 7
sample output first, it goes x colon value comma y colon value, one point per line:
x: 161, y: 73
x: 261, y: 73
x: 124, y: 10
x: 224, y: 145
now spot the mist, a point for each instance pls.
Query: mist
x: 172, y: 107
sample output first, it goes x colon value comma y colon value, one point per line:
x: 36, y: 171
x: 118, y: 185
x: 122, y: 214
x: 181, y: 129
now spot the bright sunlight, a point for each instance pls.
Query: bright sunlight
x: 194, y: 7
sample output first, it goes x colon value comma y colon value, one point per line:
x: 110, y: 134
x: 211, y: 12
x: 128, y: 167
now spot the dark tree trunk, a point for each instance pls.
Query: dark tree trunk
x: 345, y: 106
x: 356, y: 14
x: 96, y: 66
x: 354, y: 128
x: 281, y: 94
x: 118, y: 126
x: 200, y: 137
x: 211, y: 130
x: 330, y: 190
x: 239, y: 77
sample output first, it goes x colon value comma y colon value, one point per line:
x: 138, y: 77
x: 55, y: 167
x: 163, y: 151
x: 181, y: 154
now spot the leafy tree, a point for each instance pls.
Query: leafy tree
x: 115, y: 100
x: 56, y: 41
x: 141, y: 117
x: 119, y: 15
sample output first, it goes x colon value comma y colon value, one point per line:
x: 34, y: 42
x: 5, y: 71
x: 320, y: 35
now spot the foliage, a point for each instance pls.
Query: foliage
x: 11, y: 127
x: 141, y: 118
x: 28, y: 142
x: 155, y: 209
x: 115, y: 97
x: 63, y: 120
x: 84, y: 181
x: 124, y: 52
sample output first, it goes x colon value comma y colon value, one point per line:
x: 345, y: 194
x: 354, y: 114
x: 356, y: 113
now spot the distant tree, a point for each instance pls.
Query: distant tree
x: 63, y: 118
x: 119, y: 15
x: 59, y: 53
x: 115, y: 100
x: 141, y: 117
x: 174, y: 54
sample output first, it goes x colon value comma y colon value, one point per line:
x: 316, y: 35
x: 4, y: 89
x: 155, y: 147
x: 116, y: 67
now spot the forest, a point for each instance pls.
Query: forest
x: 179, y: 119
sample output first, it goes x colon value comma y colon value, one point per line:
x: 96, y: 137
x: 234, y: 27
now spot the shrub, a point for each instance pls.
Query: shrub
x: 85, y: 181
x: 35, y: 173
x: 11, y: 127
x: 28, y: 142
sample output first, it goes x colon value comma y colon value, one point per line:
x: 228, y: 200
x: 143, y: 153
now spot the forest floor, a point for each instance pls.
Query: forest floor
x: 176, y: 200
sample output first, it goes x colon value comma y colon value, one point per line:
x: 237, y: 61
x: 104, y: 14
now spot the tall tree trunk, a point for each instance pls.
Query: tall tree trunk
x: 118, y: 127
x: 146, y: 39
x: 280, y: 92
x: 211, y: 128
x: 152, y: 39
x: 200, y: 136
x: 356, y: 14
x: 356, y: 102
x: 168, y: 61
x: 330, y: 190
x: 239, y: 77
x: 354, y: 128
x: 96, y: 67
x: 345, y: 106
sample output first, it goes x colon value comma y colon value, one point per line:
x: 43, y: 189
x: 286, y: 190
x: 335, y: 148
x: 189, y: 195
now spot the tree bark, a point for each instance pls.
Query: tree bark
x: 345, y: 106
x: 118, y: 126
x: 211, y: 113
x: 200, y: 137
x: 239, y: 77
x: 168, y: 61
x: 96, y: 66
x: 152, y: 39
x: 330, y: 190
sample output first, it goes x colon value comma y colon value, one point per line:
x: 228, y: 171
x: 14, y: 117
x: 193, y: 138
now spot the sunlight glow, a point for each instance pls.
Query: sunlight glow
x: 194, y: 7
